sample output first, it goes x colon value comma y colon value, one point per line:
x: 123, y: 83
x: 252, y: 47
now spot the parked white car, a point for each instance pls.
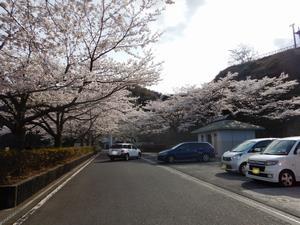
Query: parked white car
x: 236, y: 159
x: 280, y: 162
x: 124, y: 150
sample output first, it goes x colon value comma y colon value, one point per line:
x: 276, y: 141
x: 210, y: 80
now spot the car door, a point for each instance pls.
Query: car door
x: 296, y: 161
x: 135, y: 151
x: 181, y: 152
x: 198, y: 149
x: 129, y: 149
x: 190, y: 151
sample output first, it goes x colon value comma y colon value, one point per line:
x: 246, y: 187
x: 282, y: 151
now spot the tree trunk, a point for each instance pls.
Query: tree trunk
x: 58, y: 141
x: 20, y: 137
x: 59, y: 129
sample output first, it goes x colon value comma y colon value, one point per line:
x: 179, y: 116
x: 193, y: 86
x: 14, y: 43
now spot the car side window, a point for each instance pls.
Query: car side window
x: 202, y: 146
x: 195, y: 147
x: 297, y: 149
x: 260, y: 146
x: 184, y: 147
x: 179, y: 148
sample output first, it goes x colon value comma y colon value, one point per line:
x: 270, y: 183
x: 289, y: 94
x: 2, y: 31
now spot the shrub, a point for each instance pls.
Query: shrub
x: 21, y: 164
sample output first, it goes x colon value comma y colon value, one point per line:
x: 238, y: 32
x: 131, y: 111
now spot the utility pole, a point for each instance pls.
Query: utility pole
x: 294, y: 36
x: 298, y: 32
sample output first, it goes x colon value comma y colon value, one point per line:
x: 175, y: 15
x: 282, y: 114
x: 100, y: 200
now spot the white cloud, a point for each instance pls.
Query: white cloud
x: 199, y: 35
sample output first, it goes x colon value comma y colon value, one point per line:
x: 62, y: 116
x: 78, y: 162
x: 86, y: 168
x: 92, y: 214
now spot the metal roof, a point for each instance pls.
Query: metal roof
x: 227, y: 125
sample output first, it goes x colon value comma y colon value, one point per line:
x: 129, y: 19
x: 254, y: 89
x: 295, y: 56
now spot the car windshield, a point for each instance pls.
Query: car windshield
x: 243, y: 146
x: 119, y: 146
x: 176, y: 146
x: 279, y: 147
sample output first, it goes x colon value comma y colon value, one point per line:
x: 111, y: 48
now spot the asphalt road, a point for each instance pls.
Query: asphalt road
x: 284, y: 199
x: 136, y: 192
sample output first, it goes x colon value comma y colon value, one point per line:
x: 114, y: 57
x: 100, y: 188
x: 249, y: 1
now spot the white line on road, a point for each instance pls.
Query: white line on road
x: 257, y: 205
x: 250, y: 202
x: 43, y: 201
x: 149, y: 161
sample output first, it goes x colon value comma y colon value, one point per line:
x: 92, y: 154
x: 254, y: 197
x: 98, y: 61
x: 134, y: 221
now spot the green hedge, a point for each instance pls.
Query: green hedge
x: 15, y: 165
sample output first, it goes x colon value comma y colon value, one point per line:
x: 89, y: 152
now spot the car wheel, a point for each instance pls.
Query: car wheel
x: 286, y: 178
x: 242, y: 169
x: 205, y: 158
x: 171, y: 159
x: 126, y: 157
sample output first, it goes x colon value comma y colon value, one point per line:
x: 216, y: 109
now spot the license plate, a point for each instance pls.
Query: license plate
x: 114, y: 153
x: 224, y: 166
x: 256, y: 170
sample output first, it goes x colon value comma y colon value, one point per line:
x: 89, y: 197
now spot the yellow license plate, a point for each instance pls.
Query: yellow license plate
x: 224, y: 166
x: 255, y: 170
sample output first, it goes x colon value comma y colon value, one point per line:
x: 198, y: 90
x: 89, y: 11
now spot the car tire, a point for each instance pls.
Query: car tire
x: 205, y: 157
x: 286, y: 178
x: 170, y: 159
x: 126, y: 157
x: 112, y: 158
x: 242, y: 169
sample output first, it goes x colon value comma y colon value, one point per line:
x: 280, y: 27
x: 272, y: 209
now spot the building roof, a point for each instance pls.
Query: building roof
x: 227, y: 125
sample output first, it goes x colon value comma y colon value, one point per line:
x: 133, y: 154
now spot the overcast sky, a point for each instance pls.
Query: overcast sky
x: 199, y: 34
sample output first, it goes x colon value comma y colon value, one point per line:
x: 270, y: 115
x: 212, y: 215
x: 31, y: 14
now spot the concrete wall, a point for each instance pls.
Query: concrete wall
x: 211, y: 137
x: 225, y: 140
x: 230, y: 139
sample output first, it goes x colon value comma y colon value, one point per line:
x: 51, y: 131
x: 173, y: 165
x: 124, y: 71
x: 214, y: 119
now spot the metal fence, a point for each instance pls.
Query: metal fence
x: 273, y: 52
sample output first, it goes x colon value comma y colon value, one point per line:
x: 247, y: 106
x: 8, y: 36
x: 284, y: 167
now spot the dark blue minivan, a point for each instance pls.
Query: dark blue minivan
x: 201, y: 151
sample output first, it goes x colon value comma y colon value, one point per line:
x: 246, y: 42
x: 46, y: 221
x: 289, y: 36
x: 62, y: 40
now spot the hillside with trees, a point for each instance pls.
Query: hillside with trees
x: 272, y: 66
x: 264, y: 92
x: 286, y: 62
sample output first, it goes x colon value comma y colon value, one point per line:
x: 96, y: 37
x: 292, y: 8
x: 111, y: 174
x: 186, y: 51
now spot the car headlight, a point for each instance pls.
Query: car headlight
x: 271, y: 163
x: 236, y: 157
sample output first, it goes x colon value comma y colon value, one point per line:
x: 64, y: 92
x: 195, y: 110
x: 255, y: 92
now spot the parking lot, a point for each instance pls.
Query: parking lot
x: 286, y: 199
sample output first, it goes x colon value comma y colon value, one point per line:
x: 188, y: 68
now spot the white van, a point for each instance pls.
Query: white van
x: 280, y: 162
x: 236, y: 159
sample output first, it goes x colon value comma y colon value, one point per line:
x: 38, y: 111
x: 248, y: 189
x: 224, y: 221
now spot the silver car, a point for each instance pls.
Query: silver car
x: 236, y: 159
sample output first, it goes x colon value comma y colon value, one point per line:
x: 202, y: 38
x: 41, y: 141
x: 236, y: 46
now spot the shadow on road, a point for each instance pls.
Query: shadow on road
x: 231, y: 176
x: 185, y: 162
x: 272, y: 189
x: 103, y: 158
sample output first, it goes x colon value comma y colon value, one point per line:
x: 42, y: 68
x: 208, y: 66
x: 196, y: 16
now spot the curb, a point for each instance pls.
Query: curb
x: 9, y: 215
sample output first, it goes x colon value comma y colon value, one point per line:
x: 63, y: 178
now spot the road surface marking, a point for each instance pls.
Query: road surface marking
x: 257, y: 205
x: 250, y: 202
x: 149, y: 161
x: 43, y: 201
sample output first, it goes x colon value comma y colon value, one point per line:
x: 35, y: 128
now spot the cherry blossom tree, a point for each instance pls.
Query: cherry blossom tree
x: 256, y: 99
x: 268, y: 98
x: 102, y: 120
x: 57, y: 55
